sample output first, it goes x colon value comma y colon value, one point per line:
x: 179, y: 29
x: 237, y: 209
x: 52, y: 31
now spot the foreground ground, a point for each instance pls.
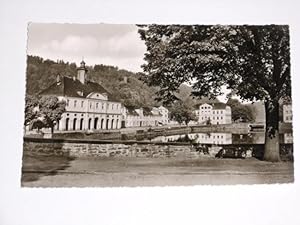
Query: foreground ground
x: 50, y: 171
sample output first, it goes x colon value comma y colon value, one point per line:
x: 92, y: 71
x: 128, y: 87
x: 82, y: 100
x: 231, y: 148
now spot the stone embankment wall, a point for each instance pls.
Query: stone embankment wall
x: 83, y: 148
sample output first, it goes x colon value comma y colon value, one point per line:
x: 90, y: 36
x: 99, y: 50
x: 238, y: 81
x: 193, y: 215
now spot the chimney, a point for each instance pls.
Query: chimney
x: 81, y: 72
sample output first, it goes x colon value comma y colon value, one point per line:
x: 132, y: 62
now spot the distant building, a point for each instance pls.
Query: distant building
x: 215, y: 113
x: 163, y: 112
x: 88, y: 105
x: 143, y: 117
x: 288, y: 138
x: 287, y: 113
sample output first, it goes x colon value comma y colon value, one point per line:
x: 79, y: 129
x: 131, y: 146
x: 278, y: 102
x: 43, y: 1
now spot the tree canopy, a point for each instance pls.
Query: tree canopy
x: 182, y: 112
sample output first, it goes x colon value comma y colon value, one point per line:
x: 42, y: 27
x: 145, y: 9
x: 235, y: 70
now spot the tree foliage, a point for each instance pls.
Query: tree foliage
x: 254, y: 61
x: 31, y: 111
x: 43, y: 111
x: 51, y: 110
x: 182, y: 112
x: 240, y: 111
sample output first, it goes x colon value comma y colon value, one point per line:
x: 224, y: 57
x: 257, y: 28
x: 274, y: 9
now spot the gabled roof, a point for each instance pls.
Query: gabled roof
x: 74, y: 88
x: 217, y: 105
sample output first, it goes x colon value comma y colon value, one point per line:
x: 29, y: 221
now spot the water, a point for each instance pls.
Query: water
x: 225, y: 138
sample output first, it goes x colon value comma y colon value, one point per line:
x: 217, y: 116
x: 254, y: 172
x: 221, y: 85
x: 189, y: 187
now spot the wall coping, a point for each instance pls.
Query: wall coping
x: 126, y: 142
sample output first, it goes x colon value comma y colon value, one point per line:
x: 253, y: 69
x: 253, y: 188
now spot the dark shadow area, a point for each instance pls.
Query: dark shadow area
x: 35, y: 166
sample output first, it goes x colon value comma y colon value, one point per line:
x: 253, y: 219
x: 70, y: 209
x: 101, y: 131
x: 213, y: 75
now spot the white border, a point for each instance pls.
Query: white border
x: 256, y: 204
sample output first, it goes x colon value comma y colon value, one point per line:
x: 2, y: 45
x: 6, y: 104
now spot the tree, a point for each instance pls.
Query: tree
x: 31, y: 109
x: 51, y: 110
x: 182, y: 112
x: 254, y: 61
x: 240, y: 111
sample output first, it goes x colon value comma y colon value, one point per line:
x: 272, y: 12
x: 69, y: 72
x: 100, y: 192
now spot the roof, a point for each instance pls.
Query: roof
x: 131, y: 111
x: 74, y: 88
x: 147, y: 111
x: 217, y: 105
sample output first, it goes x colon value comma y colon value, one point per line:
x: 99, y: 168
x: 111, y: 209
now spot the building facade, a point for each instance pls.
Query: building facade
x: 287, y: 113
x: 215, y: 113
x: 143, y: 117
x: 88, y: 105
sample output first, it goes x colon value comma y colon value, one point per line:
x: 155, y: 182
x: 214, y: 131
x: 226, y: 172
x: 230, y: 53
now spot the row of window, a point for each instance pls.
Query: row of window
x: 205, y: 107
x: 288, y: 118
x: 214, y: 112
x: 98, y: 105
x: 204, y: 118
x: 212, y: 136
x: 288, y: 111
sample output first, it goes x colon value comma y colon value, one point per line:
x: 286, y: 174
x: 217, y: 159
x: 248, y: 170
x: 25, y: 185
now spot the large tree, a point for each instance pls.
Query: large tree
x: 51, y: 110
x: 254, y: 61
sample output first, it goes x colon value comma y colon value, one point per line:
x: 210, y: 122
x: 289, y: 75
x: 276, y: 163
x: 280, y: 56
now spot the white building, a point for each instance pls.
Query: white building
x: 143, y: 117
x: 162, y: 113
x: 215, y: 113
x: 287, y: 113
x: 88, y: 105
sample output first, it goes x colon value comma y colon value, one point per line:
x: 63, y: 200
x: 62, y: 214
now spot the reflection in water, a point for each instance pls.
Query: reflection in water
x: 222, y: 138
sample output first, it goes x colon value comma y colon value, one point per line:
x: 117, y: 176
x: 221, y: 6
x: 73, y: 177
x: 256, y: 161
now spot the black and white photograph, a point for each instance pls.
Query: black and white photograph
x: 112, y: 105
x: 149, y: 112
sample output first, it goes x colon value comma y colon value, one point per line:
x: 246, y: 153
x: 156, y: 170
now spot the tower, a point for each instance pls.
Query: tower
x: 81, y: 73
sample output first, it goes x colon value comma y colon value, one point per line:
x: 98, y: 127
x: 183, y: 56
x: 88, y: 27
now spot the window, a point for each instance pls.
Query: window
x: 91, y: 104
x: 82, y: 104
x: 68, y: 102
x: 75, y: 103
x: 97, y: 105
x: 112, y: 106
x: 102, y: 105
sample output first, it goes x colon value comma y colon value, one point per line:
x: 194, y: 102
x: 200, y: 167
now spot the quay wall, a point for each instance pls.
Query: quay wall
x: 87, y: 148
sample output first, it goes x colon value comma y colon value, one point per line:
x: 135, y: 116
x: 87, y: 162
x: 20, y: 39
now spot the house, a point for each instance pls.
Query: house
x: 142, y: 117
x: 88, y: 105
x: 287, y: 113
x: 215, y: 113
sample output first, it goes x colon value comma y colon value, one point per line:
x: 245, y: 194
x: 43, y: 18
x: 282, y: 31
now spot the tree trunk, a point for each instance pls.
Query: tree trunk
x: 272, y: 151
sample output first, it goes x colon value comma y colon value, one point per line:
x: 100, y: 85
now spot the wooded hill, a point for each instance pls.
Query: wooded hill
x: 126, y: 86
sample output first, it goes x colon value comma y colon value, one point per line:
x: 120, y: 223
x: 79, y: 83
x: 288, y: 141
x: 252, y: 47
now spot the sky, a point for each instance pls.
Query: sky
x: 109, y: 44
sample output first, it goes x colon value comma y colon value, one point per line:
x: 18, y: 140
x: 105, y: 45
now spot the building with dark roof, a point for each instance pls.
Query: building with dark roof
x: 145, y: 116
x: 89, y: 105
x: 214, y: 113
